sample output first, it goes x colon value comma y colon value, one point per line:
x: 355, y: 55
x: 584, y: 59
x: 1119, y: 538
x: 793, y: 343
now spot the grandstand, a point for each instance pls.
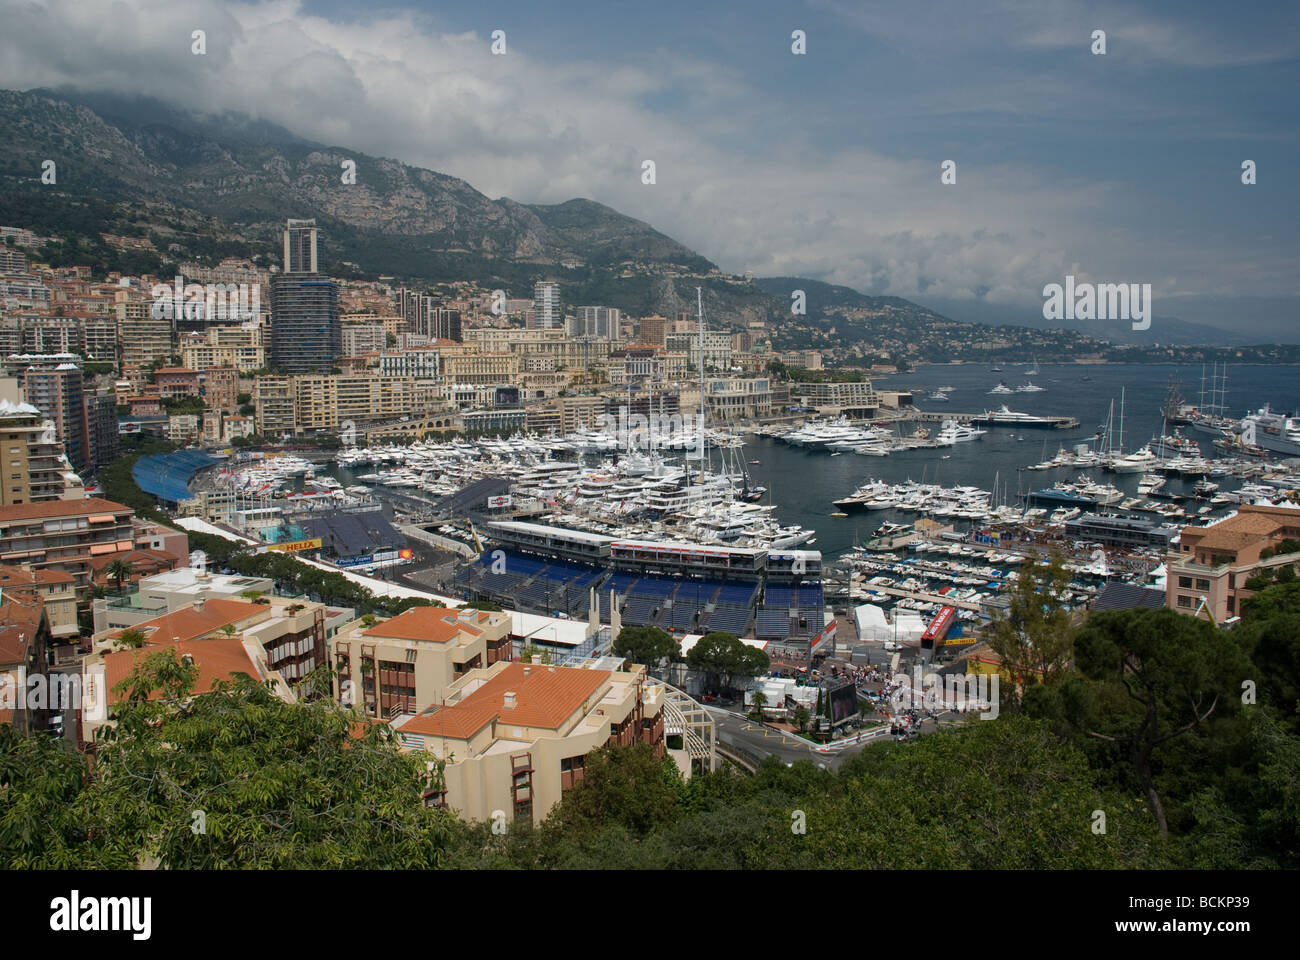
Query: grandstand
x: 167, y: 476
x: 348, y: 536
x: 685, y: 588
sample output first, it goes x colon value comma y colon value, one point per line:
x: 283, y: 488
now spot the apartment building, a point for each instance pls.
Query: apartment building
x: 142, y: 337
x: 54, y: 385
x: 171, y: 590
x: 653, y: 330
x: 64, y: 534
x: 101, y: 423
x: 25, y: 642
x: 362, y: 338
x: 32, y: 464
x: 240, y: 347
x: 1208, y: 571
x: 515, y: 736
x: 215, y: 655
x: 219, y: 387
x: 717, y: 348
x: 416, y: 362
x: 547, y: 313
x: 175, y: 383
x: 566, y: 414
x: 56, y: 589
x: 594, y: 322
x: 274, y: 406
x: 404, y: 664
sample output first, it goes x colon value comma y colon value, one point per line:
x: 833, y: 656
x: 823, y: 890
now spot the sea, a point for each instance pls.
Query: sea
x: 803, y: 483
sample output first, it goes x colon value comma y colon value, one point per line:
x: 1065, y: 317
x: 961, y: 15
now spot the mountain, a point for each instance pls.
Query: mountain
x: 255, y: 175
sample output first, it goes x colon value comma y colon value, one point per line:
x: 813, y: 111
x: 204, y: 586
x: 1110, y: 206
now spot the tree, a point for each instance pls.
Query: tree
x: 628, y: 786
x: 268, y: 784
x: 1149, y: 676
x: 119, y: 570
x: 801, y: 717
x: 647, y: 645
x: 1034, y: 639
x: 759, y: 699
x: 130, y: 639
x: 722, y: 657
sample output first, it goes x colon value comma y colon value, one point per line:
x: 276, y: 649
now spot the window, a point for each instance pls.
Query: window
x: 1232, y: 603
x: 1185, y: 582
x: 1185, y: 602
x: 1202, y: 584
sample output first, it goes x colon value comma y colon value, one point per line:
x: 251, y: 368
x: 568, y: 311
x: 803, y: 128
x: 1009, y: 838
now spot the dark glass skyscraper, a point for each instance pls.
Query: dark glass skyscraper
x: 306, y: 336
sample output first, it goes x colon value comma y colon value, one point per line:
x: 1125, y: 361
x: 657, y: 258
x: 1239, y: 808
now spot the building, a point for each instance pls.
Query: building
x: 57, y: 590
x: 547, y: 312
x: 142, y: 337
x: 405, y: 664
x: 1208, y: 571
x: 299, y: 247
x: 25, y: 642
x: 64, y: 534
x: 306, y: 335
x: 101, y: 426
x: 358, y: 339
x: 852, y: 399
x: 175, y: 383
x: 418, y: 362
x: 654, y: 330
x: 240, y: 347
x: 210, y: 634
x: 737, y: 398
x: 31, y: 456
x: 717, y: 348
x: 596, y: 322
x: 515, y: 736
x: 219, y: 388
x: 53, y: 385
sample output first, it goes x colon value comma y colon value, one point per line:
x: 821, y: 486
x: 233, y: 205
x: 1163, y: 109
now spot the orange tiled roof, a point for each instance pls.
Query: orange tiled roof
x: 217, y: 658
x: 544, y: 697
x: 436, y: 624
x: 190, y: 623
x: 60, y: 508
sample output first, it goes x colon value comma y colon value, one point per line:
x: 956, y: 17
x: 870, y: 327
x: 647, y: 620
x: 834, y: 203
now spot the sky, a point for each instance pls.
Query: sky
x: 1124, y: 167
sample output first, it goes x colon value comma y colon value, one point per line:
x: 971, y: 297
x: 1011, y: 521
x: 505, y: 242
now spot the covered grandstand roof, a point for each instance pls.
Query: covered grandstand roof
x: 167, y: 476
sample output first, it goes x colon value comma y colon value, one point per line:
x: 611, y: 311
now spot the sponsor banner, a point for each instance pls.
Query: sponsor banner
x: 293, y: 546
x: 497, y: 502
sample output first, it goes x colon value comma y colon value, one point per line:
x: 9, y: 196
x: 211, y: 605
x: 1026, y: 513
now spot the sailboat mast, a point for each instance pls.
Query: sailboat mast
x: 699, y: 309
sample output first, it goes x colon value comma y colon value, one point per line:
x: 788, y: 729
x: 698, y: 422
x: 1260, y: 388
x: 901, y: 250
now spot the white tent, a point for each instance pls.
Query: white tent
x: 872, y: 625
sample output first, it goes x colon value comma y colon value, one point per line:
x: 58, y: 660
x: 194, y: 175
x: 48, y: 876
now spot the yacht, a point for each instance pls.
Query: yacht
x: 939, y: 397
x: 1272, y: 431
x: 1001, y: 388
x: 1029, y: 388
x: 1141, y: 460
x: 954, y: 432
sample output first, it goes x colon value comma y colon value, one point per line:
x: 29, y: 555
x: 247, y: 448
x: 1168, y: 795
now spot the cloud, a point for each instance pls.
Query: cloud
x: 544, y: 128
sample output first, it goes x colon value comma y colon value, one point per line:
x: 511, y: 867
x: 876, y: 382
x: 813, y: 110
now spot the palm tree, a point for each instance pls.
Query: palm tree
x: 759, y: 700
x: 119, y: 570
x: 130, y: 639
